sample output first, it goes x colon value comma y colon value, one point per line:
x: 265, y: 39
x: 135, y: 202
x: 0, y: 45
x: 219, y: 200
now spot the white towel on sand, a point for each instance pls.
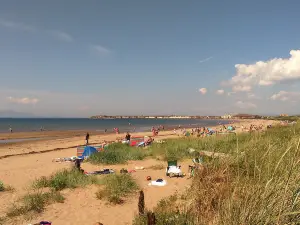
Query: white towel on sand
x: 155, y: 183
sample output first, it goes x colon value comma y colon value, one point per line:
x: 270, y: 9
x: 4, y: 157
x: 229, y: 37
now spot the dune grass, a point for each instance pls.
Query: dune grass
x: 116, y: 187
x: 157, y: 167
x: 118, y: 153
x: 166, y: 213
x: 5, y: 187
x: 67, y: 178
x: 3, y: 220
x: 2, y: 188
x: 259, y: 184
x: 34, y: 203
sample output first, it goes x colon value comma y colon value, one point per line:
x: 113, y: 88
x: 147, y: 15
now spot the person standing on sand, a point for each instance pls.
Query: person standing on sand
x: 127, y: 137
x: 87, y: 137
x: 10, y: 129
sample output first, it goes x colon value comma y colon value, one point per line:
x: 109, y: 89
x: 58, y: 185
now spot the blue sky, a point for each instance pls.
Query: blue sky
x: 75, y: 59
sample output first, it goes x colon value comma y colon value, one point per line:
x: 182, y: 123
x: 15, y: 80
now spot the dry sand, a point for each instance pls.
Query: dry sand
x: 81, y: 206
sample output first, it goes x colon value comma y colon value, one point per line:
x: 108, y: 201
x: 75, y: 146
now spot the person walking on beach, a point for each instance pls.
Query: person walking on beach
x: 10, y: 129
x: 87, y: 137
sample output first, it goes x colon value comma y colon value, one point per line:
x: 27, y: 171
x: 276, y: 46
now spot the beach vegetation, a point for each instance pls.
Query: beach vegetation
x: 33, y: 203
x: 118, y: 153
x: 157, y: 167
x: 116, y: 187
x: 258, y: 184
x: 66, y: 178
x: 166, y: 213
x: 2, y: 220
x: 286, y: 118
x: 5, y: 187
x: 2, y: 188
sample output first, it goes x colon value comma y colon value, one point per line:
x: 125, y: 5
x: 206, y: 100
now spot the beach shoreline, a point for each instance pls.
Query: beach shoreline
x: 57, y: 134
x: 65, y: 140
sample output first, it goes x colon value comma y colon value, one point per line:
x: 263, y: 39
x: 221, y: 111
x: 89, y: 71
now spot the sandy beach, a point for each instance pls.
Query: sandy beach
x: 21, y: 163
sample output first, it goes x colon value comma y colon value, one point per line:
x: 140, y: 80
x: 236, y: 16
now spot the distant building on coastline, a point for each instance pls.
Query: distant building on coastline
x: 226, y: 116
x: 155, y: 117
x: 283, y: 115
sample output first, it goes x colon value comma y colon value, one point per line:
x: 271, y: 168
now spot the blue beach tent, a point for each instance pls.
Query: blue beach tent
x: 88, y: 151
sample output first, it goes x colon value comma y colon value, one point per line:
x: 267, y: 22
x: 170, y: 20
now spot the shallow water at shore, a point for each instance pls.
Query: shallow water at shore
x: 139, y: 125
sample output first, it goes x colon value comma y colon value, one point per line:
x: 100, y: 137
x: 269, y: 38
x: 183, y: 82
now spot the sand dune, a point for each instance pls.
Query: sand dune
x: 81, y: 206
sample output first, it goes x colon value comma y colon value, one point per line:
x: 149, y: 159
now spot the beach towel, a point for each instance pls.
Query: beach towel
x: 158, y: 182
x: 99, y: 172
x: 139, y: 168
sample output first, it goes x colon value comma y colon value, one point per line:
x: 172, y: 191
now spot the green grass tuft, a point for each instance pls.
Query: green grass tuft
x: 118, y: 153
x: 157, y: 167
x: 116, y: 187
x: 5, y: 188
x: 65, y: 179
x: 34, y: 203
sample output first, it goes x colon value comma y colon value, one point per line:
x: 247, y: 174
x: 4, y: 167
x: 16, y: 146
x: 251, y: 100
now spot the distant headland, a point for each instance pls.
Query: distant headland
x: 226, y: 116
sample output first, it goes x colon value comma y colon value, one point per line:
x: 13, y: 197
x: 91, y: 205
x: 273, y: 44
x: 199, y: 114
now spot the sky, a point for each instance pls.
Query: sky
x: 77, y: 58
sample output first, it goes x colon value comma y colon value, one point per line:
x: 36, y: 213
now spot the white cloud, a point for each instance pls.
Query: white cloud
x: 220, y: 92
x: 252, y: 96
x: 265, y: 73
x: 286, y: 96
x: 203, y: 91
x: 205, y: 60
x: 241, y: 88
x: 61, y: 35
x: 16, y: 26
x: 100, y: 49
x: 28, y: 28
x: 245, y: 105
x: 231, y: 93
x: 24, y: 100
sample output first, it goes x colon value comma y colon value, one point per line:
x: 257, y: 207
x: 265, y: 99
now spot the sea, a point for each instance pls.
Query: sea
x: 99, y: 125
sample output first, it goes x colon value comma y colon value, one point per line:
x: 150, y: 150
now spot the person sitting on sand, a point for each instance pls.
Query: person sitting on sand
x: 127, y: 137
x: 77, y: 165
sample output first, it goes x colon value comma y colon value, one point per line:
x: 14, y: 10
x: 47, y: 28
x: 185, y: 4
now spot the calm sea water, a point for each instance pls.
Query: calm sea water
x: 21, y: 125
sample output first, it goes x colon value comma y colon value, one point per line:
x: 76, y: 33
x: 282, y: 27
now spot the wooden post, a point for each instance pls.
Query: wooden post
x: 141, y: 204
x: 151, y: 218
